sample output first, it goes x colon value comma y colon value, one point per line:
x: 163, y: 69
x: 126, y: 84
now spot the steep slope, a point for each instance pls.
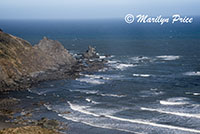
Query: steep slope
x: 55, y: 50
x: 19, y: 61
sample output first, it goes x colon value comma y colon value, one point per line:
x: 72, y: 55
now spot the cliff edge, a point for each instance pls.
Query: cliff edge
x: 20, y: 62
x: 22, y: 65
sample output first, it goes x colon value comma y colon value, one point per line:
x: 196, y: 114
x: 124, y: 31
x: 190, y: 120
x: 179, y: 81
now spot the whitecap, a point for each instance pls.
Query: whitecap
x: 150, y: 93
x: 192, y: 73
x: 97, y: 76
x: 173, y: 113
x: 102, y: 57
x: 171, y: 103
x: 48, y: 107
x: 98, y: 126
x: 175, y: 101
x: 141, y: 75
x: 153, y: 89
x: 168, y: 57
x: 104, y: 77
x: 81, y: 109
x: 91, y: 81
x: 112, y: 61
x: 29, y: 97
x: 92, y: 120
x: 191, y: 93
x: 113, y: 95
x: 103, y: 70
x: 196, y: 94
x: 122, y: 66
x: 140, y: 59
x: 97, y: 93
x: 153, y: 124
x: 84, y: 91
x: 91, y: 101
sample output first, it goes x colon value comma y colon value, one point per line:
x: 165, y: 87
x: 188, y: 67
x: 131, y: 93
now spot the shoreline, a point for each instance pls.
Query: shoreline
x: 13, y: 121
x: 46, y: 61
x: 5, y: 125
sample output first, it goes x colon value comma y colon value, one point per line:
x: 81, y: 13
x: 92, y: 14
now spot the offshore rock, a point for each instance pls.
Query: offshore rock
x: 90, y: 53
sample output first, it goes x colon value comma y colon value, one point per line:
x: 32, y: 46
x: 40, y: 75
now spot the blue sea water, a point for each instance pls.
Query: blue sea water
x: 152, y: 84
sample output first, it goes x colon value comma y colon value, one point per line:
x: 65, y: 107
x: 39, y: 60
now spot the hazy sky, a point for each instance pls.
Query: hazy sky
x: 92, y: 9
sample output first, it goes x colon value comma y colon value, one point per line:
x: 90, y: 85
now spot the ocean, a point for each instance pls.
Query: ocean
x: 151, y: 85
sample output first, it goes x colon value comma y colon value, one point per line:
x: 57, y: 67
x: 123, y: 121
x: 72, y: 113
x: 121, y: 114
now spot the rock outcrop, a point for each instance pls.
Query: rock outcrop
x: 56, y: 51
x: 28, y: 130
x: 90, y: 53
x: 22, y: 65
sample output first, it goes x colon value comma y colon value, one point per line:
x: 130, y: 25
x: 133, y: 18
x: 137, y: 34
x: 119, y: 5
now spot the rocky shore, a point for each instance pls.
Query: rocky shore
x: 22, y: 66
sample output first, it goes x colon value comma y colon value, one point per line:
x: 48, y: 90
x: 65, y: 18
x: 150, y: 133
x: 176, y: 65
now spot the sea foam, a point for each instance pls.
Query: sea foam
x: 192, y: 73
x: 168, y: 57
x: 173, y: 113
x: 141, y: 75
x: 175, y: 101
x: 82, y: 109
x: 91, y: 81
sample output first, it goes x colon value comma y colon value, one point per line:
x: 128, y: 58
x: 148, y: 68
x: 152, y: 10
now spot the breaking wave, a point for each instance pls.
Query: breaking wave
x: 168, y: 57
x: 93, y: 117
x: 97, y: 93
x: 91, y: 101
x: 141, y: 75
x: 175, y: 101
x: 173, y: 113
x: 119, y: 66
x: 192, y: 73
x: 91, y: 80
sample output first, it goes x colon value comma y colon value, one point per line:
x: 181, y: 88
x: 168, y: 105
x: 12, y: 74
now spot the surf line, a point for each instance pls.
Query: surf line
x: 137, y: 121
x: 173, y: 113
x: 98, y: 126
x: 154, y: 124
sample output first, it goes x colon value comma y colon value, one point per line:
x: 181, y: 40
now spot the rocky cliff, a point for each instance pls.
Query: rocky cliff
x: 22, y: 65
x: 56, y: 51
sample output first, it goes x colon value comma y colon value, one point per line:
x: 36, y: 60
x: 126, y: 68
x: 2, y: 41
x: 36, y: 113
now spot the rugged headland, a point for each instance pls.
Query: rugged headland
x: 23, y: 65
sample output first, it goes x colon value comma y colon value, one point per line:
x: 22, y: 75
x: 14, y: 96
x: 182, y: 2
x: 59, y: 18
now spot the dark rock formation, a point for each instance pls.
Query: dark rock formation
x: 22, y: 65
x: 90, y: 53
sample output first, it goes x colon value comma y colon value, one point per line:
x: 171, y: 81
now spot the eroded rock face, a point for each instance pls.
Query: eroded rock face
x: 19, y: 61
x: 55, y: 50
x: 22, y: 65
